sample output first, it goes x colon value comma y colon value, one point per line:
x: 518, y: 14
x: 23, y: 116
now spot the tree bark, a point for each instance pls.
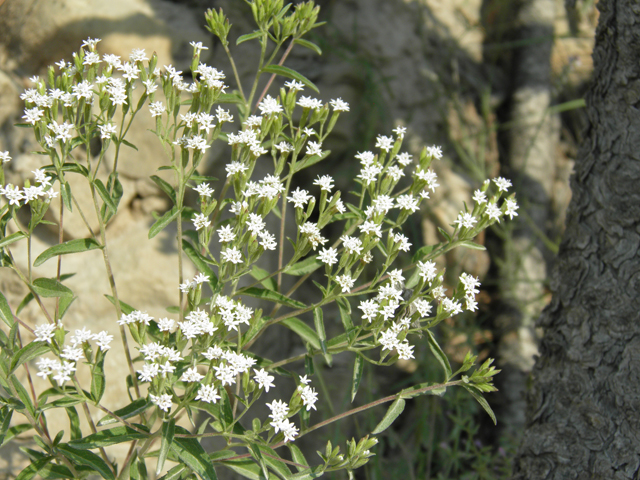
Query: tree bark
x: 583, y: 419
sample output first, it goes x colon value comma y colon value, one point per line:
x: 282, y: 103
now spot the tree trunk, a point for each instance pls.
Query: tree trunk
x: 583, y: 418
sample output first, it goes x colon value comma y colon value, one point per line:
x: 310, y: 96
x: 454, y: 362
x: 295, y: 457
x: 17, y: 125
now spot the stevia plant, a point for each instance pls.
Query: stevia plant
x: 199, y: 360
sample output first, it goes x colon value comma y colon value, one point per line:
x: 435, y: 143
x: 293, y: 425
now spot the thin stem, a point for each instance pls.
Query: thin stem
x: 273, y: 76
x: 235, y: 71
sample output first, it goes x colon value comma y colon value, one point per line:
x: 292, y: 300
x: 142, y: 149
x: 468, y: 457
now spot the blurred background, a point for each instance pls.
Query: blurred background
x: 497, y: 83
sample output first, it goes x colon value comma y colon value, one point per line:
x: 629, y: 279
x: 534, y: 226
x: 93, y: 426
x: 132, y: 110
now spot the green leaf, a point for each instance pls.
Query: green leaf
x: 22, y: 394
x: 246, y: 468
x: 444, y: 234
x: 297, y: 456
x: 129, y: 144
x: 260, y: 274
x: 98, y: 383
x: 311, y: 161
x: 358, y: 367
x: 345, y: 315
x: 393, y: 412
x: 72, y: 246
x: 5, y: 311
x: 174, y: 474
x: 200, y: 262
x: 33, y: 469
x: 74, y: 423
x: 309, y: 45
x: 49, y: 287
x: 14, y: 237
x: 471, y: 245
x: 305, y: 266
x: 110, y: 436
x: 124, y: 307
x: 14, y: 432
x: 440, y: 355
x: 257, y: 455
x: 273, y: 297
x: 318, y: 321
x: 168, y: 429
x: 481, y: 400
x: 288, y: 73
x: 303, y: 330
x: 65, y: 193
x: 230, y: 98
x: 225, y: 407
x: 276, y: 465
x: 165, y: 187
x: 249, y: 36
x: 423, y: 252
x: 131, y: 410
x: 163, y: 221
x: 85, y: 457
x: 105, y: 195
x: 191, y: 453
x: 28, y: 352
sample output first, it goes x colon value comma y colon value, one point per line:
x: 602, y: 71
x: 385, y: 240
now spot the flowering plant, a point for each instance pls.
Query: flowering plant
x: 200, y: 361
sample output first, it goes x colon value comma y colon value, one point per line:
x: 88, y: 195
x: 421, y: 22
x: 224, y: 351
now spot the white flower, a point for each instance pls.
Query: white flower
x: 263, y: 379
x: 32, y: 115
x: 299, y: 198
x: 235, y: 167
x: 44, y: 332
x: 156, y: 108
x: 395, y: 173
x: 328, y: 256
x: 435, y: 152
x: 429, y: 176
x: 325, y: 182
x: 209, y: 394
x: 369, y: 309
x: 293, y: 85
x: 309, y: 397
x: 163, y: 401
x: 423, y: 307
x: 502, y: 183
x: 404, y: 241
x: 201, y: 221
x: 346, y: 282
x: 81, y: 336
x: 308, y: 102
x: 223, y: 115
x: 314, y: 148
x: 466, y: 220
x: 226, y: 374
x: 198, y: 47
x: 103, y: 339
x: 405, y: 351
x: 232, y: 255
x: 269, y: 105
x: 148, y: 372
x: 384, y: 143
x: 512, y: 206
x: 427, y: 270
x: 226, y: 234
x: 4, y: 157
x: 371, y: 228
x: 204, y: 190
x: 191, y: 375
x: 339, y: 105
x: 284, y: 147
x: 479, y: 196
x: 72, y: 353
x: 493, y: 212
x: 400, y: 131
x: 352, y: 245
x: 407, y: 202
x: 166, y: 324
x: 404, y: 159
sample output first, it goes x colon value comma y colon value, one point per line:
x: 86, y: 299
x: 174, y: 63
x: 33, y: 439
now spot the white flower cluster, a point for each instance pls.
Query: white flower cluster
x: 308, y: 394
x: 135, y: 316
x: 70, y: 353
x: 197, y: 323
x: 232, y: 313
x: 15, y: 195
x: 280, y: 422
x: 197, y: 280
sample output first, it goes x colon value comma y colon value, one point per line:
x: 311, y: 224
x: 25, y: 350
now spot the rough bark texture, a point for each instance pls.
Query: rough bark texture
x: 530, y: 162
x: 583, y: 420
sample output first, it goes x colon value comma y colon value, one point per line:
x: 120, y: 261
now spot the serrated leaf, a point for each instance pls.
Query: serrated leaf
x: 14, y: 237
x: 163, y: 221
x: 358, y: 368
x: 303, y: 330
x: 165, y: 187
x: 28, y: 352
x: 289, y: 73
x: 191, y: 453
x: 135, y: 408
x: 393, y: 412
x: 308, y: 44
x: 481, y: 400
x: 72, y: 246
x: 273, y: 297
x: 439, y: 354
x: 49, y: 287
x: 248, y: 36
x: 305, y: 266
x: 110, y: 436
x: 471, y: 245
x: 5, y: 311
x: 87, y: 458
x: 98, y: 383
x: 168, y: 429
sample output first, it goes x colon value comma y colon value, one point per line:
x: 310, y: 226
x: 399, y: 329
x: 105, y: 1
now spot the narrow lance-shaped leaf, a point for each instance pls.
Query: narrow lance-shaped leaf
x: 168, y: 429
x: 303, y: 330
x: 318, y: 320
x: 105, y: 195
x: 358, y: 368
x: 111, y: 436
x: 481, y: 400
x: 305, y: 266
x: 9, y: 239
x: 307, y: 44
x: 74, y: 423
x: 191, y: 453
x: 28, y: 352
x: 98, y: 383
x: 393, y: 412
x: 273, y: 297
x: 85, y: 457
x: 289, y: 73
x: 5, y: 311
x: 163, y: 221
x: 135, y: 408
x: 72, y: 246
x: 49, y: 287
x: 440, y: 355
